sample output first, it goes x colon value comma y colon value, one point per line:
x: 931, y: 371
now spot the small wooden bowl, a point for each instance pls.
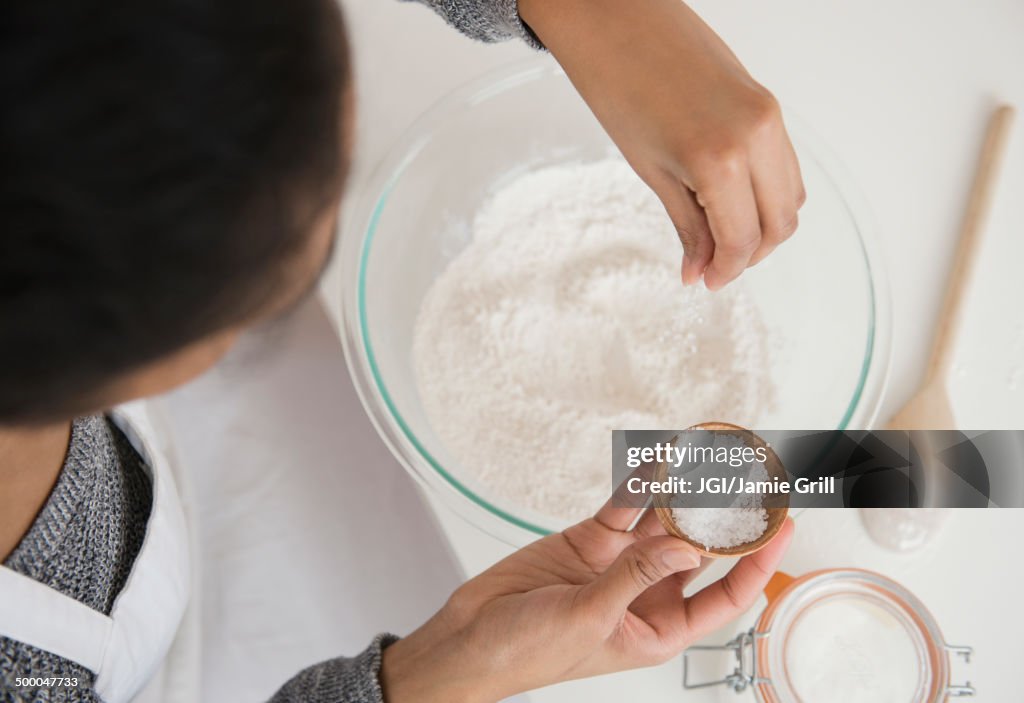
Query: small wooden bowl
x: 776, y: 504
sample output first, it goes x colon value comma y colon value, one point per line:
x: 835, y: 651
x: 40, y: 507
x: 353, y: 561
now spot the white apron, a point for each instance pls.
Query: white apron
x: 126, y: 648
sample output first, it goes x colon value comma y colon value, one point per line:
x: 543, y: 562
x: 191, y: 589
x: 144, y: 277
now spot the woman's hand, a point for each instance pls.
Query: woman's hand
x: 594, y: 599
x: 706, y: 137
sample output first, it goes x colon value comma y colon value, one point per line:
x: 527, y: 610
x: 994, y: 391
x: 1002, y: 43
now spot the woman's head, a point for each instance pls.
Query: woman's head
x: 171, y: 174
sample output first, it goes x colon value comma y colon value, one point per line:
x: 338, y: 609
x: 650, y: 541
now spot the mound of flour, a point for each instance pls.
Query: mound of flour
x: 565, y: 318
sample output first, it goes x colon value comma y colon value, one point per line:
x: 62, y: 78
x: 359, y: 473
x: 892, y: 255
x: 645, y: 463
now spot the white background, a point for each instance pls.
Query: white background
x: 901, y: 92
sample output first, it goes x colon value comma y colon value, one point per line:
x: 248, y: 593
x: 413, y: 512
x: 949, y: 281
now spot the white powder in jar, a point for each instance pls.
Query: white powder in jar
x: 565, y: 318
x: 850, y: 650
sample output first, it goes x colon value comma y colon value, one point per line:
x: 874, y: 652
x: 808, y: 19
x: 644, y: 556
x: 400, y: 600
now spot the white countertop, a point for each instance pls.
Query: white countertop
x: 901, y: 92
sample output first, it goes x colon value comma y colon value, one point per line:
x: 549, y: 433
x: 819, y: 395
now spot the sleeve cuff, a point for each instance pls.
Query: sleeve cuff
x: 342, y: 680
x: 485, y: 20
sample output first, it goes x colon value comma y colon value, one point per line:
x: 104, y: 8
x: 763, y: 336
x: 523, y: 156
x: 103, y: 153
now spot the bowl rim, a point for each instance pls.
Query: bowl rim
x: 363, y: 215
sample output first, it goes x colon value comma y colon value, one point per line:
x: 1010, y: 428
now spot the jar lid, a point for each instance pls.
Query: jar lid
x: 852, y: 636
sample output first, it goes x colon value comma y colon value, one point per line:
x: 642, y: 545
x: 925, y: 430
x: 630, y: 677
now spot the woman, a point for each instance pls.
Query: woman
x: 172, y: 178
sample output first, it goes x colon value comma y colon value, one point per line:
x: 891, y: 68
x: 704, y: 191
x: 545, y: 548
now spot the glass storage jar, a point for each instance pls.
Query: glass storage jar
x: 853, y: 633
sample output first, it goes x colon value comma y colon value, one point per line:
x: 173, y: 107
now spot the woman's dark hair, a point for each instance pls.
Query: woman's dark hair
x: 161, y: 161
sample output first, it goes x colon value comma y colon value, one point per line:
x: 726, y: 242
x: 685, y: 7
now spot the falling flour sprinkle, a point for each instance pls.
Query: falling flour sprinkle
x: 564, y: 318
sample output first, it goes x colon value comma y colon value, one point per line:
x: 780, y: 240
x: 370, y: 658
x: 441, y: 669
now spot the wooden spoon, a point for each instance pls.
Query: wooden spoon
x: 929, y: 408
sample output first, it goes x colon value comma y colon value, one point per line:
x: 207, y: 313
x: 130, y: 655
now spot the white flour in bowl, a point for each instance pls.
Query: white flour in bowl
x: 565, y: 318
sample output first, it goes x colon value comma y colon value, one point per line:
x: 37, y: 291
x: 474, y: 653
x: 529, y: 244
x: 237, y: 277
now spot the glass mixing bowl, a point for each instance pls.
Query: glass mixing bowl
x: 822, y: 293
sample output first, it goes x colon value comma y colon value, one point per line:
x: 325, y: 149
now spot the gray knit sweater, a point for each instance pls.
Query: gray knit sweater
x: 83, y: 543
x: 486, y: 20
x: 86, y: 538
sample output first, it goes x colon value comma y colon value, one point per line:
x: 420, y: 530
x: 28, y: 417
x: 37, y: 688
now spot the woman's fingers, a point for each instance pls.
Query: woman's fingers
x: 618, y: 514
x: 779, y: 190
x: 745, y: 205
x: 731, y: 210
x: 691, y: 225
x: 637, y: 568
x: 663, y: 608
x: 649, y: 526
x: 685, y: 579
x: 731, y: 596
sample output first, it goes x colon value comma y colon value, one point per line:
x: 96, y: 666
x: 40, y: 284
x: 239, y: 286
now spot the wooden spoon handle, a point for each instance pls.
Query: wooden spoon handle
x: 970, y: 236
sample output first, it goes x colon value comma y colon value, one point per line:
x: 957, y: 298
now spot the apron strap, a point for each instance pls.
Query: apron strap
x: 35, y: 614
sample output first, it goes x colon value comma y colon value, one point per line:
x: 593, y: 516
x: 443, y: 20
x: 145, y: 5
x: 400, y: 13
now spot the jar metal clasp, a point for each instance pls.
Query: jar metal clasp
x: 744, y: 646
x: 965, y: 689
x: 744, y: 674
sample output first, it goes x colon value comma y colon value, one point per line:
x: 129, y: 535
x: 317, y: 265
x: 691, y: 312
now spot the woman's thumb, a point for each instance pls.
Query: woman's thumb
x: 637, y: 568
